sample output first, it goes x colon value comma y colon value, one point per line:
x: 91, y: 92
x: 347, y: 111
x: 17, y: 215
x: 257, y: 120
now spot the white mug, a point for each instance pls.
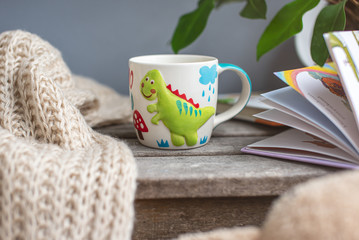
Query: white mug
x: 174, y: 99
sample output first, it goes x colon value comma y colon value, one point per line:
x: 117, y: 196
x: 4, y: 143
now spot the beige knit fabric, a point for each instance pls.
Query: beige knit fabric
x: 108, y: 107
x: 59, y: 179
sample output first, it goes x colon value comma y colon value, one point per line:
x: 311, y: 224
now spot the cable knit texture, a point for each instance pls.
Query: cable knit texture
x: 59, y: 179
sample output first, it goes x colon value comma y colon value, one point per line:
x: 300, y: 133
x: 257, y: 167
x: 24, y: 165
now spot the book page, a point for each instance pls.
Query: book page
x: 303, y: 144
x: 289, y: 120
x: 300, y: 156
x: 292, y: 103
x: 344, y: 49
x: 323, y: 89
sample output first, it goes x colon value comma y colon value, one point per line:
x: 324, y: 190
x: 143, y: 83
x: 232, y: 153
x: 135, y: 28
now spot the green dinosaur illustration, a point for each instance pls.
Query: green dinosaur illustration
x: 181, y: 116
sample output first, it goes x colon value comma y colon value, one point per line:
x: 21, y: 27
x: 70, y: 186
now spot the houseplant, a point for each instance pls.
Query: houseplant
x: 285, y: 24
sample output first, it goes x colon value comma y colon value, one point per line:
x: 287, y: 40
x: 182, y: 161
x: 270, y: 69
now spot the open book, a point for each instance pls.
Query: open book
x: 321, y: 105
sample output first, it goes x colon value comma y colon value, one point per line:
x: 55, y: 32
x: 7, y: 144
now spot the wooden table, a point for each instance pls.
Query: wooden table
x: 209, y: 187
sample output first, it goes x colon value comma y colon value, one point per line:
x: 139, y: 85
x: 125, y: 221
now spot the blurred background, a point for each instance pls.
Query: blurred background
x: 97, y: 38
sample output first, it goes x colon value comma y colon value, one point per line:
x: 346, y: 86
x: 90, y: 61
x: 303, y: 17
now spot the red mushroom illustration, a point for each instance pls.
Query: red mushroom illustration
x: 139, y: 124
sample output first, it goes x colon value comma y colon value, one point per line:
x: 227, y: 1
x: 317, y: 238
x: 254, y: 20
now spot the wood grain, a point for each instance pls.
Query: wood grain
x: 227, y: 129
x: 168, y: 218
x: 214, y: 186
x: 220, y: 176
x: 217, y: 146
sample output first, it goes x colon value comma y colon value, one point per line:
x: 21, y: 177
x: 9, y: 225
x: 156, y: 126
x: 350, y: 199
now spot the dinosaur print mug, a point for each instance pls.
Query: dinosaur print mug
x: 174, y: 99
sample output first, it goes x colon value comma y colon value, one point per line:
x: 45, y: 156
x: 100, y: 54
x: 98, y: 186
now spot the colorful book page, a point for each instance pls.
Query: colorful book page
x: 344, y: 50
x: 323, y: 89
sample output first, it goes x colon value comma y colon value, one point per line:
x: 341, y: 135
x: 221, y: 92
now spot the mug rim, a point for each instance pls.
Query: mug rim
x: 172, y: 59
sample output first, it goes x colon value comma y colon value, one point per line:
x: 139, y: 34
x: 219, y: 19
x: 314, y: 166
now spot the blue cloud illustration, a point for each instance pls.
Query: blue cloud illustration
x: 208, y: 75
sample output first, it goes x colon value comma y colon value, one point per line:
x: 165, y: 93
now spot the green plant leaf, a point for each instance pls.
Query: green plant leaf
x: 285, y: 24
x: 255, y: 9
x: 331, y: 18
x: 191, y: 25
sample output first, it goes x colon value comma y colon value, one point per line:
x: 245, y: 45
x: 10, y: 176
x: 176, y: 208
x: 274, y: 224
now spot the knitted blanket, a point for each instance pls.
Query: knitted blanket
x: 59, y: 179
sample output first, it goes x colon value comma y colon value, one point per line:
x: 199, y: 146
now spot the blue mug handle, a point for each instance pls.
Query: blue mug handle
x: 244, y: 95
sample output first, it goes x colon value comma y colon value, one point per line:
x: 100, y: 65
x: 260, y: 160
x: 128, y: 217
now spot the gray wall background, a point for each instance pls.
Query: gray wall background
x: 97, y: 38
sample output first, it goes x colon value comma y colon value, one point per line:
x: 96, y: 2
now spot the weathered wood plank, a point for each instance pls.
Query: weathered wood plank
x: 211, y: 186
x: 229, y: 129
x: 167, y: 218
x: 216, y: 146
x: 217, y: 169
x: 118, y: 131
x: 234, y: 128
x: 220, y: 176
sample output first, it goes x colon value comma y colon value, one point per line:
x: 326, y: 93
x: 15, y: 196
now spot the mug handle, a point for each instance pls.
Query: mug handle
x: 244, y: 97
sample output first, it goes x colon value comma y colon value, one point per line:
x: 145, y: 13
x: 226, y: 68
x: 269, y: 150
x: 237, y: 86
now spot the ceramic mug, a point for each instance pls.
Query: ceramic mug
x: 174, y: 99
